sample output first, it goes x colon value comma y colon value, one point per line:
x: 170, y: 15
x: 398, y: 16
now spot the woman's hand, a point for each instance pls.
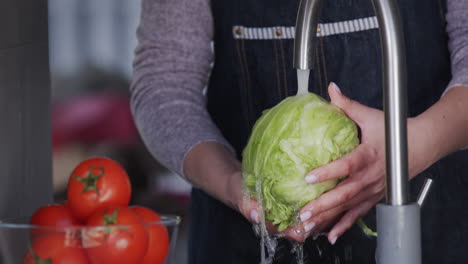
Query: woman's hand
x: 250, y: 209
x: 365, y: 166
x: 211, y: 167
x: 364, y: 169
x: 247, y: 207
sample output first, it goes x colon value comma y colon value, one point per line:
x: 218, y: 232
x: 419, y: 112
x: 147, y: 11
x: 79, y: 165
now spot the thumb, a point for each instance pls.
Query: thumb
x: 352, y: 109
x: 251, y: 210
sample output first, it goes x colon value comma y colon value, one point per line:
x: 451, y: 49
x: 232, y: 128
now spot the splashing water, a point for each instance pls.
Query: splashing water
x: 266, y: 240
x: 337, y: 260
x: 298, y: 249
x: 319, y: 250
x: 302, y: 81
x: 348, y: 253
x: 316, y: 235
x: 269, y: 243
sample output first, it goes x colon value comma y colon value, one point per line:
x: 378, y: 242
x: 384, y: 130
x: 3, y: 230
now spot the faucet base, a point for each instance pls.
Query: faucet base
x: 399, y: 234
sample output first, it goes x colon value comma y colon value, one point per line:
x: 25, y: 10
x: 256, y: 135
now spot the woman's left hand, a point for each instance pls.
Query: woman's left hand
x: 364, y: 169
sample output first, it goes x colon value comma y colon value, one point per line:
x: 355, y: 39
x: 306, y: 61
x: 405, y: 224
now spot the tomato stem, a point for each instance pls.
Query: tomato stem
x: 111, y: 219
x: 37, y: 259
x: 90, y: 181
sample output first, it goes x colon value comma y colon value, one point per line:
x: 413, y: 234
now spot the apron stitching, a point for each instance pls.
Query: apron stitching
x: 326, y: 29
x: 284, y: 69
x: 318, y: 73
x: 249, y: 100
x: 441, y: 9
x: 324, y: 63
x: 241, y: 63
x: 278, y: 79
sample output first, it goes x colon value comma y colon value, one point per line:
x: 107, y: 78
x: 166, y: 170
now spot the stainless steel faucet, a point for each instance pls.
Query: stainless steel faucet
x: 398, y: 221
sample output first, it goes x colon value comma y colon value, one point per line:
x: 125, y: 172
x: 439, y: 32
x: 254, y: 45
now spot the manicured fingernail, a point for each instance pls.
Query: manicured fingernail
x: 309, y: 226
x: 311, y: 178
x: 305, y: 216
x: 254, y: 216
x: 334, y: 86
x: 333, y: 240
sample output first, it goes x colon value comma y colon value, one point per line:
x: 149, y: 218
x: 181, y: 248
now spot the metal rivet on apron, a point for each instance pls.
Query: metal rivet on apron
x: 238, y: 31
x: 279, y: 32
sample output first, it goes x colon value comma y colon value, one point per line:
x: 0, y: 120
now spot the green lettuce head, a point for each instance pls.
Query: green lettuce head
x: 299, y: 134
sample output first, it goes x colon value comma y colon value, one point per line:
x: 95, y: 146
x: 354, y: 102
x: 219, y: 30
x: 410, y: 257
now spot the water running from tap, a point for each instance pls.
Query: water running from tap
x: 302, y: 81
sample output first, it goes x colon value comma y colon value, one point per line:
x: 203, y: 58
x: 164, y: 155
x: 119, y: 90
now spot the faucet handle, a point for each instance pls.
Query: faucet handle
x: 424, y: 191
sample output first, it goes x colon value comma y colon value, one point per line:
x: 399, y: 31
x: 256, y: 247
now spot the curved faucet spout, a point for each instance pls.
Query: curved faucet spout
x: 394, y: 84
x: 306, y: 37
x: 398, y: 221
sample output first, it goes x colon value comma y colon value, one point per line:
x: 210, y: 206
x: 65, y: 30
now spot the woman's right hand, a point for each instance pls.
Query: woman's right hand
x: 211, y: 167
x: 251, y: 210
x: 248, y: 207
x: 238, y: 200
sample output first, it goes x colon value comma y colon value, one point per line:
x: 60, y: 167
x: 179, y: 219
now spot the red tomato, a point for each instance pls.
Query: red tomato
x: 57, y: 215
x: 56, y: 248
x: 54, y: 215
x: 158, y: 243
x: 97, y: 183
x: 120, y: 239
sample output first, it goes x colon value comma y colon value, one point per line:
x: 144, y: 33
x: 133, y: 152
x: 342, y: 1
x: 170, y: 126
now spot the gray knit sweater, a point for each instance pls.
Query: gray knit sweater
x: 172, y: 65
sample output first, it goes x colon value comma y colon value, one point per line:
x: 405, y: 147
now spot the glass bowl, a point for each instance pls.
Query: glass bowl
x: 22, y: 243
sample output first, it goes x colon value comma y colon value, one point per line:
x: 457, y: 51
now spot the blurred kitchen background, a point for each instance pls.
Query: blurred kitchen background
x: 91, y: 44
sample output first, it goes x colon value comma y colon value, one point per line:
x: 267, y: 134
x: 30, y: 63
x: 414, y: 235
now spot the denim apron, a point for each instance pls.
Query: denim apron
x: 253, y: 71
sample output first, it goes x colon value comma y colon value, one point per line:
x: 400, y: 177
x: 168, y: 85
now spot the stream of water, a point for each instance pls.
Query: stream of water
x: 302, y: 81
x: 267, y: 241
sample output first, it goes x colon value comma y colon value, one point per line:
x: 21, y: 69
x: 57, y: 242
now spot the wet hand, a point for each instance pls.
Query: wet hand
x: 251, y: 210
x: 364, y: 169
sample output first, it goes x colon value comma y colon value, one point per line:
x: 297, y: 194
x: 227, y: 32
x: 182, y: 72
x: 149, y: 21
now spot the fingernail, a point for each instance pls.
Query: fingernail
x: 305, y: 216
x: 309, y: 226
x: 333, y: 240
x: 334, y: 86
x: 254, y: 216
x: 311, y: 178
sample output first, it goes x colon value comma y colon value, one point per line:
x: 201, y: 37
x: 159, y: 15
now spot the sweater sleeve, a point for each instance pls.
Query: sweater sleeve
x: 171, y: 69
x: 457, y: 29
